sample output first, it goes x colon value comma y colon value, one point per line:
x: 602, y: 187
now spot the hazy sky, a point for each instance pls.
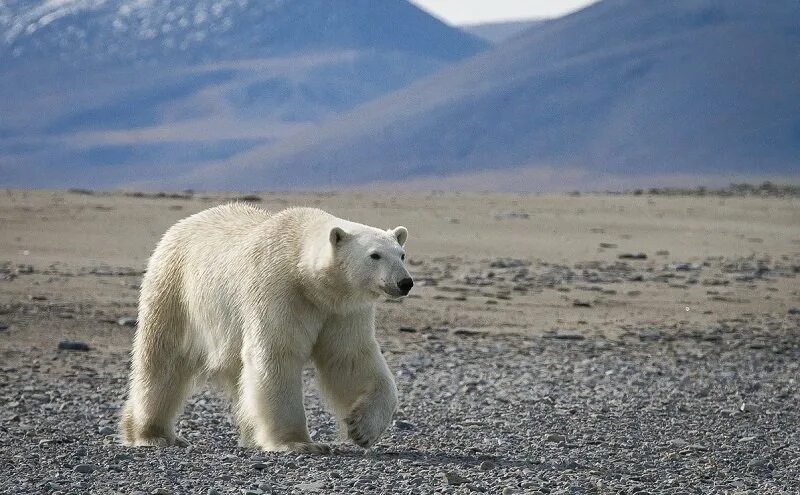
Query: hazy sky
x: 475, y: 11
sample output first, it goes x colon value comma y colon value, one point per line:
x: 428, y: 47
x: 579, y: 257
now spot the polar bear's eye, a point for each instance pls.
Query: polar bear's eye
x: 403, y: 256
x: 375, y: 256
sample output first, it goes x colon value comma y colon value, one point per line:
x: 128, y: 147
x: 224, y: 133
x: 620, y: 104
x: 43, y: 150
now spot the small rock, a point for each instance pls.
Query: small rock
x: 453, y: 478
x: 127, y: 321
x: 3, y: 327
x: 464, y: 332
x: 554, y: 437
x: 581, y: 304
x: 84, y: 468
x: 747, y: 408
x: 313, y: 486
x: 107, y: 430
x: 407, y: 329
x: 794, y: 311
x: 651, y: 335
x: 161, y: 491
x: 632, y: 256
x: 73, y: 345
x: 213, y: 491
x: 566, y: 336
x: 403, y: 425
x: 259, y: 466
x: 487, y: 466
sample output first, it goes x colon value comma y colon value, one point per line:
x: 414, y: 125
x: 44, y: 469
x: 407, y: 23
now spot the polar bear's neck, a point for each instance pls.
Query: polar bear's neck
x: 322, y: 280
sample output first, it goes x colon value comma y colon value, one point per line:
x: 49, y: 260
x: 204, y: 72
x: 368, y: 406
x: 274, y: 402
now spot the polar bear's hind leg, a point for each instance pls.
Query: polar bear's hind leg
x: 161, y: 378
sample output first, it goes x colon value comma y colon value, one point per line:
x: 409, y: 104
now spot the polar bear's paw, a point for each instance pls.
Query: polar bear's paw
x: 302, y: 447
x: 365, y: 425
x: 177, y: 441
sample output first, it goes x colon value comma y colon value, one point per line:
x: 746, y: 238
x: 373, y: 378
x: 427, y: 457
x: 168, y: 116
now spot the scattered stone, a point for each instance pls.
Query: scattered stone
x: 651, y: 334
x: 554, y: 438
x: 249, y: 198
x: 127, y: 321
x: 465, y: 332
x: 487, y: 466
x: 608, y: 245
x: 747, y: 407
x: 73, y: 345
x: 453, y: 478
x: 161, y: 491
x: 581, y: 304
x: 794, y: 311
x: 3, y: 327
x: 408, y: 329
x: 563, y: 335
x: 403, y: 425
x: 309, y: 487
x: 259, y: 466
x: 107, y: 430
x: 84, y: 468
x: 25, y: 269
x: 632, y: 256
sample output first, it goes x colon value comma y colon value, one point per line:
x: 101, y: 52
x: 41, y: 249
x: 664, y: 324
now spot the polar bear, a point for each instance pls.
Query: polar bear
x: 246, y: 298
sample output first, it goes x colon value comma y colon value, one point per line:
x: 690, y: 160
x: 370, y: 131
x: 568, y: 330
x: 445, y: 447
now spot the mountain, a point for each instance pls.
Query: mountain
x: 111, y: 91
x: 626, y: 88
x: 498, y: 32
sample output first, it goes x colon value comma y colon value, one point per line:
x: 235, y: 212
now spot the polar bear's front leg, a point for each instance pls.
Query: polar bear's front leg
x: 271, y: 408
x: 354, y: 377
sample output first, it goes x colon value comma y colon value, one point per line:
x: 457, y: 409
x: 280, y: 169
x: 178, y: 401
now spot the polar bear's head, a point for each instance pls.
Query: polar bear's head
x: 372, y: 260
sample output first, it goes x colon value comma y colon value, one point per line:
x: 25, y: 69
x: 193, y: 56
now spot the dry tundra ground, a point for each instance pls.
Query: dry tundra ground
x: 552, y: 344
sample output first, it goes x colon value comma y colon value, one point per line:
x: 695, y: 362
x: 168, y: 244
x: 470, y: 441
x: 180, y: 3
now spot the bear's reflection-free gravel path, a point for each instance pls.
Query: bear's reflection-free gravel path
x: 502, y: 414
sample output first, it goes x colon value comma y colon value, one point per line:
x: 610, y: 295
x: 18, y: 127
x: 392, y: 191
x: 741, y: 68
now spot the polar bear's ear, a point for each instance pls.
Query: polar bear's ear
x: 401, y: 234
x: 338, y: 235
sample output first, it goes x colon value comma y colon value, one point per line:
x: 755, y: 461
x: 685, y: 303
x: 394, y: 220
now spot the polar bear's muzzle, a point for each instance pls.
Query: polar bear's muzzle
x: 400, y: 288
x: 405, y: 285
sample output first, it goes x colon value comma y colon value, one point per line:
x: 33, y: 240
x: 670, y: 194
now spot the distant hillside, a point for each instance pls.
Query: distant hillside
x: 625, y: 88
x: 119, y: 90
x: 498, y: 32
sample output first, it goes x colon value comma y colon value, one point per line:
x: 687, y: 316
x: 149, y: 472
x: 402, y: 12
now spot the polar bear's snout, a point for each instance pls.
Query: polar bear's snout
x: 405, y: 285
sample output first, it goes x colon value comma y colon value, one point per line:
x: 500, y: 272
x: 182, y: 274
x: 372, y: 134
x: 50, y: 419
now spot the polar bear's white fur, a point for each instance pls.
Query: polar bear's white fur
x: 247, y: 297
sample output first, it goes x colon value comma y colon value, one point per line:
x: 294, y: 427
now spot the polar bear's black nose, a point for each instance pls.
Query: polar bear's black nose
x: 405, y: 285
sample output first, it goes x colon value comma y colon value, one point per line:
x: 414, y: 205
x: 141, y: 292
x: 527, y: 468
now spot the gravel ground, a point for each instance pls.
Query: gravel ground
x: 659, y: 411
x: 554, y: 344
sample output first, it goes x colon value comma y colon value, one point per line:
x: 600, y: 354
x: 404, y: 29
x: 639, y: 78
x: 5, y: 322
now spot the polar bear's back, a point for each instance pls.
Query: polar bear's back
x: 204, y: 267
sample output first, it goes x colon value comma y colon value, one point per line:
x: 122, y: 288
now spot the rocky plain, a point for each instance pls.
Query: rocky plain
x: 642, y: 343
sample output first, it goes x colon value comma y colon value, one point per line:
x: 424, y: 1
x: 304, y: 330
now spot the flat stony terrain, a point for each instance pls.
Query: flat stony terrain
x: 553, y: 344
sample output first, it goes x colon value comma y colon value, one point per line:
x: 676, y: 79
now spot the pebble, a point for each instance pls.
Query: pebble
x: 107, y: 430
x: 487, y: 466
x: 161, y: 491
x: 84, y: 468
x: 453, y: 478
x: 554, y: 438
x: 312, y: 486
x: 632, y: 256
x: 403, y: 425
x: 127, y: 321
x: 73, y: 345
